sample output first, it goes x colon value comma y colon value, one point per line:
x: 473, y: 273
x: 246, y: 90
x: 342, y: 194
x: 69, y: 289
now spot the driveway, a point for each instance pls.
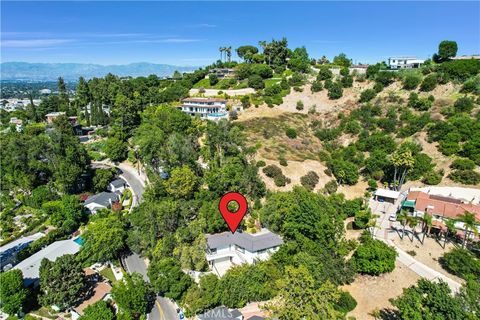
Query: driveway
x: 385, y: 233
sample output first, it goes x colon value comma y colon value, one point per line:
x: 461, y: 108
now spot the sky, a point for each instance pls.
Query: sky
x: 190, y: 33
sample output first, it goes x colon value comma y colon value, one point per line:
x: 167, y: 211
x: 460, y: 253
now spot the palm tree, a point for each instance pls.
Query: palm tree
x: 403, y: 218
x: 469, y: 225
x: 427, y: 224
x: 450, y: 230
x: 412, y: 224
x: 229, y: 53
x: 402, y: 161
x: 222, y: 50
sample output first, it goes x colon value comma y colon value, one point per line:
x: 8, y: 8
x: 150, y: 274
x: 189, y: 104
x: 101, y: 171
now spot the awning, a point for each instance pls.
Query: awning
x: 408, y: 204
x: 385, y: 193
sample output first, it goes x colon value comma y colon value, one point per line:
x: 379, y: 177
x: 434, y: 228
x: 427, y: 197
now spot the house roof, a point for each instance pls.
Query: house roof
x: 251, y: 242
x: 20, y: 242
x: 387, y: 193
x: 204, y: 100
x: 441, y: 205
x: 118, y: 183
x: 100, y: 290
x: 220, y: 313
x: 55, y: 114
x: 102, y: 198
x: 30, y: 267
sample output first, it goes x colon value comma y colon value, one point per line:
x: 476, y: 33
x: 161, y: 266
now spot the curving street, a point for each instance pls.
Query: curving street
x: 164, y: 309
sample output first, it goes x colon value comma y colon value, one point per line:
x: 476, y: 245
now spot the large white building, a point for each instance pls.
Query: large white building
x: 226, y: 249
x: 205, y: 108
x: 404, y: 62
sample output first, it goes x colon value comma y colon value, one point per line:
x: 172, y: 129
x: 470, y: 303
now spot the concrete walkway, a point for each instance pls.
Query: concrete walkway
x: 384, y: 232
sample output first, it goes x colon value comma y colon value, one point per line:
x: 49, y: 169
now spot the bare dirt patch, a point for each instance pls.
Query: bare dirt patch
x: 429, y: 253
x: 375, y: 292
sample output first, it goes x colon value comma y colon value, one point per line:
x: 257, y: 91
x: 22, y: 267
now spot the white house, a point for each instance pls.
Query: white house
x: 205, y: 108
x: 404, y: 62
x: 102, y: 200
x: 226, y: 249
x: 8, y: 252
x: 117, y: 185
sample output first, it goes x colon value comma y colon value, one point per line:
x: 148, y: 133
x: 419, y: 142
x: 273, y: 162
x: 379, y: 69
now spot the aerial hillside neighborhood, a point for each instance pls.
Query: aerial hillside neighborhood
x: 321, y: 176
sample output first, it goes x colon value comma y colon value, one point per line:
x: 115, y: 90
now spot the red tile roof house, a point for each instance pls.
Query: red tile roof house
x: 441, y: 208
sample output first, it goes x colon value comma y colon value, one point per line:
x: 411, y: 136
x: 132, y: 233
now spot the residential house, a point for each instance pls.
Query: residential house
x: 440, y: 207
x: 117, y: 185
x: 221, y: 313
x: 30, y: 267
x: 404, y: 62
x: 18, y: 123
x: 8, y: 252
x: 102, y: 200
x: 226, y: 249
x: 358, y: 68
x: 98, y: 291
x: 205, y: 108
x: 52, y: 116
x: 222, y: 73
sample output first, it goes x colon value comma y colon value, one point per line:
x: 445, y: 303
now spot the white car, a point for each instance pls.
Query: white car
x: 392, y: 217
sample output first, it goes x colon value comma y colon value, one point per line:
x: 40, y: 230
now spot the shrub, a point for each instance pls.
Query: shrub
x: 299, y: 105
x: 345, y: 172
x: 463, y: 104
x: 283, y: 162
x: 310, y: 180
x: 429, y: 83
x: 421, y: 104
x: 463, y: 164
x: 331, y: 187
x: 256, y: 82
x: 378, y: 87
x: 347, y: 81
x: 261, y: 163
x: 316, y: 86
x: 346, y: 302
x: 432, y: 178
x: 291, y: 133
x: 460, y: 70
x: 213, y: 79
x: 411, y: 81
x: 465, y: 176
x: 472, y: 85
x: 385, y: 78
x: 272, y: 171
x: 335, y: 91
x: 281, y: 181
x: 262, y: 70
x: 324, y: 73
x: 461, y: 262
x: 374, y: 257
x: 367, y: 95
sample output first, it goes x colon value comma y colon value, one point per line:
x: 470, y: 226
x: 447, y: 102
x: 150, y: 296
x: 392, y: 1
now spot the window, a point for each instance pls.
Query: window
x: 213, y: 251
x: 239, y: 249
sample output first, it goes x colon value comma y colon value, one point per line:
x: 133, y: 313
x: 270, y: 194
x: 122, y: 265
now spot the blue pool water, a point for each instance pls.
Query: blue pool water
x: 79, y: 241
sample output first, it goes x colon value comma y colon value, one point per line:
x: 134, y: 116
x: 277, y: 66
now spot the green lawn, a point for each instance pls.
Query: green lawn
x: 108, y: 273
x: 270, y: 82
x: 223, y: 84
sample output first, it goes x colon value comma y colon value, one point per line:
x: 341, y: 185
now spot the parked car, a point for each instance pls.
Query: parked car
x: 392, y: 217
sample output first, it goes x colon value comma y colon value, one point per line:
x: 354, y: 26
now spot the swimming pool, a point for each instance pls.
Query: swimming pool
x: 79, y: 241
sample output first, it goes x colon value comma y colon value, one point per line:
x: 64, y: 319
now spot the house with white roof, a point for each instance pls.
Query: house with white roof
x: 8, y: 252
x: 225, y: 249
x: 205, y: 108
x: 30, y: 267
x: 404, y: 62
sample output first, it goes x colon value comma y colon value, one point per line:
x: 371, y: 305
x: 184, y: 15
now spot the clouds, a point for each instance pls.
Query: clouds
x: 34, y: 43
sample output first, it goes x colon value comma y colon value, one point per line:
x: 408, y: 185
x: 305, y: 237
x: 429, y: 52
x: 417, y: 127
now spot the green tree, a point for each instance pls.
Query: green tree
x: 101, y: 179
x: 104, y: 240
x: 98, y: 311
x: 342, y: 60
x: 12, y: 293
x: 116, y: 149
x: 299, y: 298
x: 182, y: 183
x: 469, y: 225
x: 256, y: 82
x: 246, y: 52
x: 429, y: 300
x: 61, y: 282
x: 213, y: 79
x: 462, y: 263
x: 335, y: 91
x: 374, y: 257
x: 168, y: 279
x: 133, y: 295
x: 447, y: 49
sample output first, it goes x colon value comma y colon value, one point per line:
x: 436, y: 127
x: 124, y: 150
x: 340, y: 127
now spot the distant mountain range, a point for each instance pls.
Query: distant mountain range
x: 72, y: 71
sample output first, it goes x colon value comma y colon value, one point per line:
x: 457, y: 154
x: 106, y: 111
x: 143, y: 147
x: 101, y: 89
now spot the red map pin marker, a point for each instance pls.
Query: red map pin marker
x: 233, y: 218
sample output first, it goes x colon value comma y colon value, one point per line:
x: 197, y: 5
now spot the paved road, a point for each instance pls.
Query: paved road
x: 163, y: 309
x: 385, y: 233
